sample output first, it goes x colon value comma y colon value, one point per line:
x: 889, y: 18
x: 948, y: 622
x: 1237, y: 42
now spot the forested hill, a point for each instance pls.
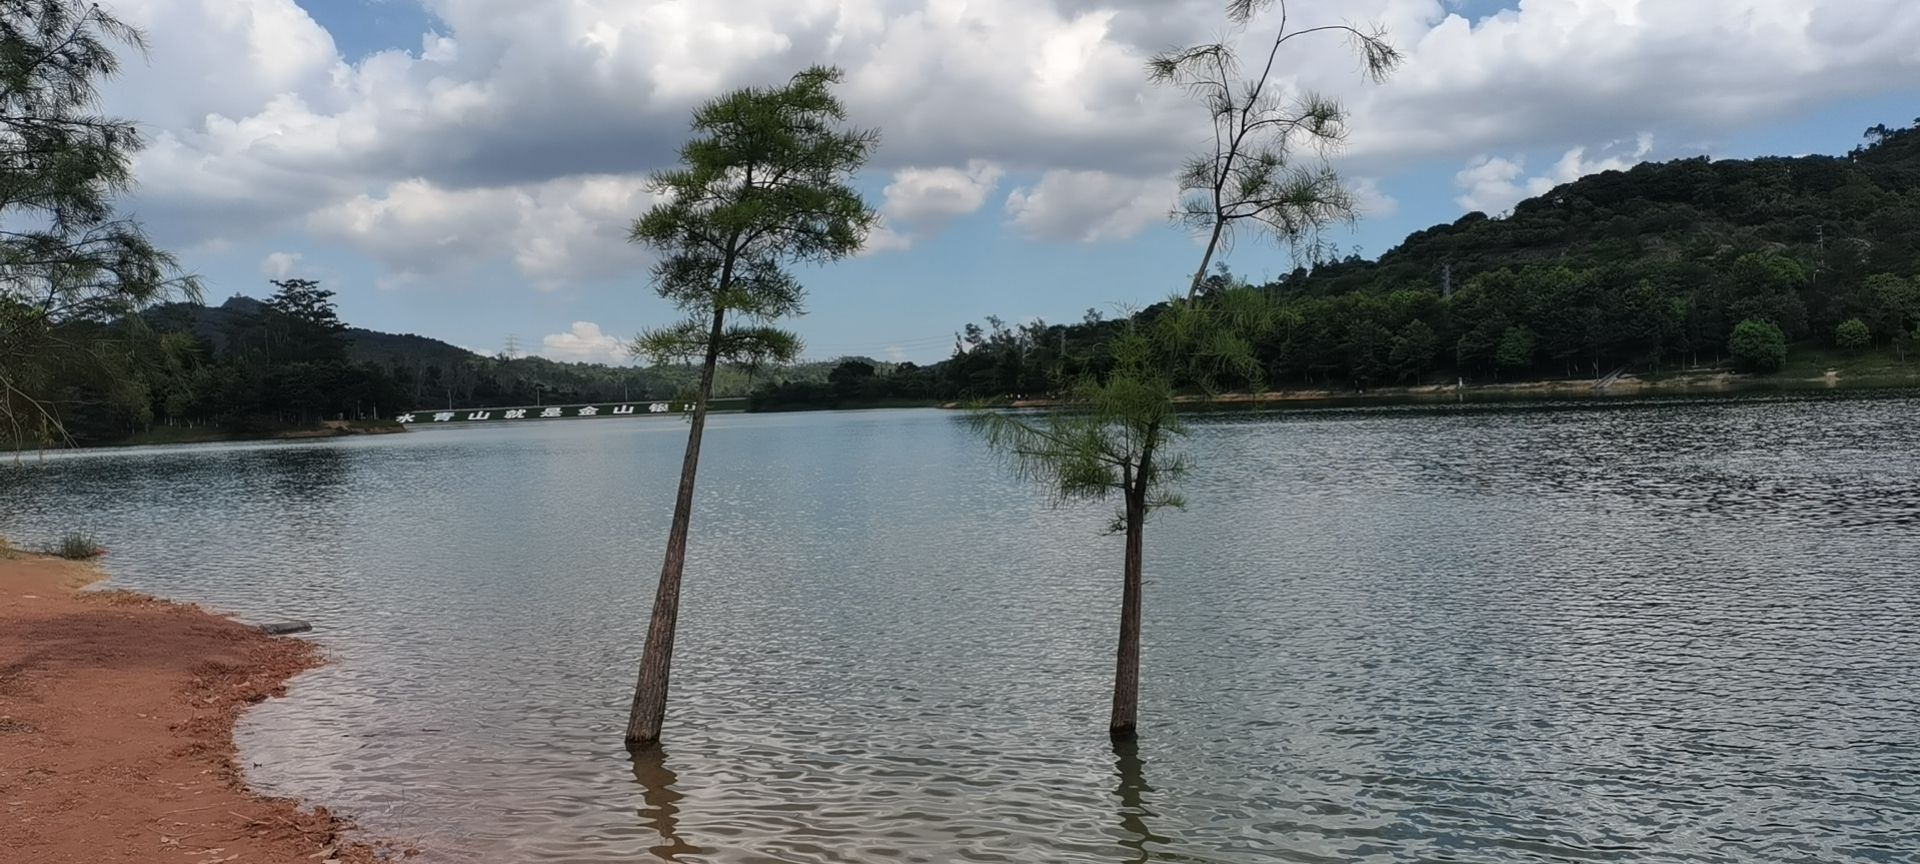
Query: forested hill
x: 1691, y: 263
x: 250, y: 365
x: 216, y: 324
x: 1862, y: 206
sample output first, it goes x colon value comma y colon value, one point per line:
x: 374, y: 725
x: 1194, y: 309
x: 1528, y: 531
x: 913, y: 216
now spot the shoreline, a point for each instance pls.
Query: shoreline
x: 168, y: 436
x: 117, y: 713
x: 1624, y: 387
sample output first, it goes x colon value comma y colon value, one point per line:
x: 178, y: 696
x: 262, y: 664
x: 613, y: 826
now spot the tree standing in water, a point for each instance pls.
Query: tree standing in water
x: 1113, y: 432
x: 765, y: 183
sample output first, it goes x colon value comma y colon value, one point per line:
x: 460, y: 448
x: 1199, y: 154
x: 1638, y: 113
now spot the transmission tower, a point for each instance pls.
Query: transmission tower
x: 513, y: 347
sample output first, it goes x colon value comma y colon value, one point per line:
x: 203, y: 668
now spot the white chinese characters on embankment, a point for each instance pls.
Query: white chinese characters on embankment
x: 537, y: 413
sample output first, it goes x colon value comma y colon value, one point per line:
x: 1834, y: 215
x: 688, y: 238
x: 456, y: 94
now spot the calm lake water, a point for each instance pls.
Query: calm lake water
x: 1667, y: 633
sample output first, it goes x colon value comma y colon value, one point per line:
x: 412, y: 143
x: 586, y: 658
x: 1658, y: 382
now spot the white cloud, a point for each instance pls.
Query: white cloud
x: 280, y: 265
x: 1553, y: 73
x: 922, y: 202
x: 555, y: 233
x: 1371, y: 200
x: 523, y: 129
x: 1090, y: 206
x: 584, y: 343
x: 885, y: 238
x: 1493, y: 185
x: 929, y: 198
x: 1490, y: 184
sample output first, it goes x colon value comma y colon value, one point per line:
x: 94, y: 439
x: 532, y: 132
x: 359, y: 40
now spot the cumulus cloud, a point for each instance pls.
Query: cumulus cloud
x: 584, y: 343
x: 555, y: 233
x: 1494, y: 184
x: 280, y: 265
x: 1558, y: 72
x: 885, y: 238
x: 523, y: 127
x: 1371, y: 200
x: 924, y: 201
x: 1090, y: 206
x: 929, y: 198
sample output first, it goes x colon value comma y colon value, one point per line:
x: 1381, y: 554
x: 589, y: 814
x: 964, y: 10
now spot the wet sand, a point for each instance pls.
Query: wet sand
x: 116, y: 730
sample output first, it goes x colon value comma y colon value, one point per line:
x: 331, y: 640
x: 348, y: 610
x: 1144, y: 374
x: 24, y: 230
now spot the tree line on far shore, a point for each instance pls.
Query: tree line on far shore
x: 251, y: 366
x: 1686, y: 264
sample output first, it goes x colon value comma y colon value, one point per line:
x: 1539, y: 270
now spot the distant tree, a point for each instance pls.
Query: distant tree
x: 72, y: 272
x: 1898, y: 300
x: 848, y: 377
x: 1853, y: 335
x: 766, y: 181
x: 852, y: 369
x: 301, y: 318
x: 1414, y: 350
x: 1768, y: 288
x: 1515, y: 351
x: 1255, y: 171
x: 1477, y: 349
x: 1905, y: 342
x: 1758, y: 346
x: 1369, y: 347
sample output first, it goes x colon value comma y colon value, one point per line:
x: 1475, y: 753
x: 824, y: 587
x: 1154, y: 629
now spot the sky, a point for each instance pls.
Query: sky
x: 468, y: 169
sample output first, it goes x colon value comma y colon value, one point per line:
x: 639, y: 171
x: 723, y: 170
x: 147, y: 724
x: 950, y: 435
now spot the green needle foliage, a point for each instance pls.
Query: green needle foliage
x: 1267, y: 166
x: 71, y: 273
x: 766, y: 182
x: 1113, y: 432
x: 1114, y: 441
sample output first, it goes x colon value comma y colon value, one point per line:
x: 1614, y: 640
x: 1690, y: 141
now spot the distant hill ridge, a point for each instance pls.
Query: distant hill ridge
x: 1686, y: 209
x: 213, y: 323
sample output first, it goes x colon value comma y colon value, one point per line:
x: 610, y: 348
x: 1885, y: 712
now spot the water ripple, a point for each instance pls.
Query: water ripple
x: 1663, y: 633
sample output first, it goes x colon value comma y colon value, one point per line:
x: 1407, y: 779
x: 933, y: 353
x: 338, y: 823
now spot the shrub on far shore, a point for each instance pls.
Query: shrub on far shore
x: 1758, y: 346
x: 1853, y: 335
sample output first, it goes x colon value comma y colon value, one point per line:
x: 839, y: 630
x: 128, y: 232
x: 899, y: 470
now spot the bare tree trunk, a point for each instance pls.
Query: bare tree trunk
x: 1200, y: 275
x: 649, y: 710
x: 1126, y: 672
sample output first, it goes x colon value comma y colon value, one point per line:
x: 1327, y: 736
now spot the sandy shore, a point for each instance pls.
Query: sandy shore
x: 116, y: 730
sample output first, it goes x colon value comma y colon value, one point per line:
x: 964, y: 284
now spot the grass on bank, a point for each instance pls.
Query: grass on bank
x: 1877, y: 365
x: 75, y: 546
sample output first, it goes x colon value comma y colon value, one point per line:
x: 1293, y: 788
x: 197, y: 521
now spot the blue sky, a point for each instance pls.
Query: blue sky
x: 465, y: 172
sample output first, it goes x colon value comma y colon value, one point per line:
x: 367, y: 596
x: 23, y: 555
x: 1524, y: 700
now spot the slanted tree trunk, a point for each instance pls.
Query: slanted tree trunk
x: 649, y: 710
x: 1213, y: 243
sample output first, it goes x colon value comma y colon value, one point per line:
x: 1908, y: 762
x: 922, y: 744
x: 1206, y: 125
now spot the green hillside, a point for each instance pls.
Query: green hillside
x: 1650, y: 270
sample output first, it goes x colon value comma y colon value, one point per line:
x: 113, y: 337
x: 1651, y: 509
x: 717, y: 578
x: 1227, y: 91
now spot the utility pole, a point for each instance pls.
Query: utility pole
x: 1821, y: 262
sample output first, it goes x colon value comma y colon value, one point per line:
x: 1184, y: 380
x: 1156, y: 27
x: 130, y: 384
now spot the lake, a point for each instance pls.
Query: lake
x: 1625, y: 633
